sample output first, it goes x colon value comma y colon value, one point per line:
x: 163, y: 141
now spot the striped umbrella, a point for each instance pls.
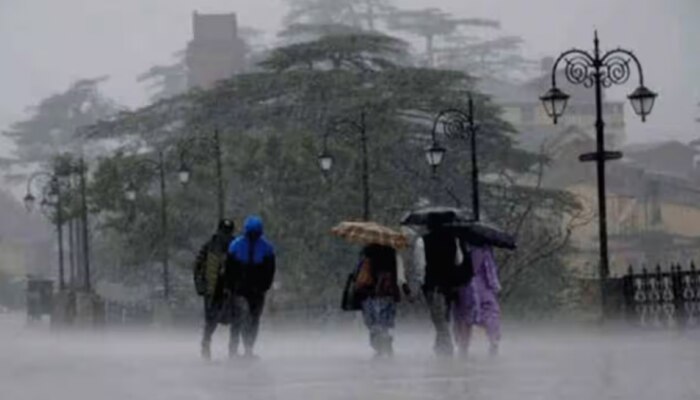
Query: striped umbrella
x: 370, y: 233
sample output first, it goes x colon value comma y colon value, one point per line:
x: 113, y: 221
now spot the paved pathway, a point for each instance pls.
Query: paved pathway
x: 38, y: 365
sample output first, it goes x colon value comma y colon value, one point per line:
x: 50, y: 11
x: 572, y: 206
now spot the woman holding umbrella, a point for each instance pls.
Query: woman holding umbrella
x: 378, y: 279
x: 477, y: 302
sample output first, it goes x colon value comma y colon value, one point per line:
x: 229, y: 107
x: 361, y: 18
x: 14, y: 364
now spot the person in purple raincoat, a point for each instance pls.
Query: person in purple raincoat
x: 477, y: 302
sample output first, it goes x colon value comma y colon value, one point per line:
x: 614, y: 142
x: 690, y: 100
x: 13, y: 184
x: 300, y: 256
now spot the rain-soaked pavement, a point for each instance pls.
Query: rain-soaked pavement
x: 336, y: 364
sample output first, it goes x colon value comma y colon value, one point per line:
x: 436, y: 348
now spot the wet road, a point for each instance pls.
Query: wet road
x: 329, y: 365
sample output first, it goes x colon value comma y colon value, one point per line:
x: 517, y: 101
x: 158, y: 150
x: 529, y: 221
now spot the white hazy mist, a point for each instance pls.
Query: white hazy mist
x: 48, y: 44
x: 335, y: 363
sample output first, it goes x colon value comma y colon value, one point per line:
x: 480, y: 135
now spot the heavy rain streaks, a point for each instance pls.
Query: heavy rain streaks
x: 345, y: 199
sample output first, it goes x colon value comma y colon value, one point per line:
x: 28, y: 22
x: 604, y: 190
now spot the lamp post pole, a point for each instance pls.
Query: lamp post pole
x: 599, y: 71
x: 159, y: 166
x: 59, y: 232
x: 455, y: 123
x: 55, y: 190
x: 365, y: 168
x: 84, y: 216
x: 164, y: 227
x: 184, y: 172
x: 326, y: 160
x: 475, y: 165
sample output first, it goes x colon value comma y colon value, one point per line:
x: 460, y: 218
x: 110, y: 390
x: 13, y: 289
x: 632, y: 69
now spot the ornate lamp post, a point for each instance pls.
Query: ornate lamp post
x: 185, y: 172
x: 599, y: 71
x: 456, y: 124
x: 54, y: 199
x: 158, y: 165
x: 325, y: 159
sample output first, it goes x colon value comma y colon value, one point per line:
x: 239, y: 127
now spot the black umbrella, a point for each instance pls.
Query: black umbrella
x: 479, y: 233
x: 441, y: 215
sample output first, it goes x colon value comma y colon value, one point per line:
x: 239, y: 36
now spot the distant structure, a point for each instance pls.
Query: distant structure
x: 216, y: 51
x: 522, y: 107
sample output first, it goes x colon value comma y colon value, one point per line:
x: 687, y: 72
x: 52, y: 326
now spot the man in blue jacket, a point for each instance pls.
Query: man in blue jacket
x: 250, y: 270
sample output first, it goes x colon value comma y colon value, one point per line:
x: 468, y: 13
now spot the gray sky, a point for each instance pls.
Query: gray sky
x: 47, y: 44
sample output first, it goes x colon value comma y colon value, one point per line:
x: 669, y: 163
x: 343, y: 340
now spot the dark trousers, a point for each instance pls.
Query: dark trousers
x: 212, y: 308
x: 247, y: 310
x: 440, y: 307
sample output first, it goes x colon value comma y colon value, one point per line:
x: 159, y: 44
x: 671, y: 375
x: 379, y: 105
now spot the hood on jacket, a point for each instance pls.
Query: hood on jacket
x: 253, y: 226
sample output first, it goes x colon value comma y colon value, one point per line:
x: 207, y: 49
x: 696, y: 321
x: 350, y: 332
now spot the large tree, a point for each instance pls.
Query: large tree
x: 431, y: 24
x: 166, y: 81
x: 360, y: 14
x: 53, y: 123
x: 500, y: 58
x: 272, y: 124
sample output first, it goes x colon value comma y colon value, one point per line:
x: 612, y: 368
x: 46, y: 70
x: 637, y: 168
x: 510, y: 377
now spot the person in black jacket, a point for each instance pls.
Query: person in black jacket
x: 208, y: 281
x: 250, y: 270
x: 438, y: 256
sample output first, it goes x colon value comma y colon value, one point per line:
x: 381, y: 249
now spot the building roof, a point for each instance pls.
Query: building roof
x: 671, y: 158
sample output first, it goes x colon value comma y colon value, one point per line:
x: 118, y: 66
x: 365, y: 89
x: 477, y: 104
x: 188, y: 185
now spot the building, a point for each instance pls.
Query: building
x: 653, y: 203
x: 653, y: 193
x: 216, y: 51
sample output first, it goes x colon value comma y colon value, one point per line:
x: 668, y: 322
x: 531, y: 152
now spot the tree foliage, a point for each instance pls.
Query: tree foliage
x: 52, y: 126
x: 362, y: 14
x: 272, y: 123
x: 433, y: 23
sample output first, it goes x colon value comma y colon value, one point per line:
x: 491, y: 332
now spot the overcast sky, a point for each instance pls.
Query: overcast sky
x: 47, y: 44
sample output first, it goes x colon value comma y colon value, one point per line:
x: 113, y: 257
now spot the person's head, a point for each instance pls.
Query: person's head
x: 370, y: 250
x: 226, y: 227
x: 253, y: 227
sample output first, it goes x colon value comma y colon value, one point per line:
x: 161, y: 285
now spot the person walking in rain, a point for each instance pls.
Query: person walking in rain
x: 437, y: 258
x: 477, y: 302
x: 380, y: 275
x: 250, y: 270
x: 208, y: 280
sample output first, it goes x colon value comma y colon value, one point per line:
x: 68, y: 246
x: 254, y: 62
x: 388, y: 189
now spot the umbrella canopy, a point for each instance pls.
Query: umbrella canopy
x: 370, y: 233
x: 479, y: 233
x: 441, y: 215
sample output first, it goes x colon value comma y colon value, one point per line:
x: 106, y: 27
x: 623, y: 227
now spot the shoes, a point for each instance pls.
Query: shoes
x: 493, y: 349
x: 233, y: 352
x: 249, y: 355
x: 206, y: 352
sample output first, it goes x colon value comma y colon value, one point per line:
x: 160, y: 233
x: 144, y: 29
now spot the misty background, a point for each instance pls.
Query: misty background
x: 47, y: 45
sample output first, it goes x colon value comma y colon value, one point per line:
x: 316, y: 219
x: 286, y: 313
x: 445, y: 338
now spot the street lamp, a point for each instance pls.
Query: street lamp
x: 555, y: 102
x: 598, y: 71
x: 54, y: 199
x: 130, y: 194
x: 642, y: 100
x: 435, y: 154
x: 455, y: 124
x: 29, y: 202
x: 325, y: 160
x: 185, y: 172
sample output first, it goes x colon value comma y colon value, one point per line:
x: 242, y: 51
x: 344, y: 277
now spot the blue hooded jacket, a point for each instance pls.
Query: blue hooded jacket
x: 251, y: 261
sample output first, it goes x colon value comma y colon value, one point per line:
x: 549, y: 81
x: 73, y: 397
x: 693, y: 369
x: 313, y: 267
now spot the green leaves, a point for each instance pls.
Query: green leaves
x: 55, y: 120
x: 272, y: 124
x: 356, y: 50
